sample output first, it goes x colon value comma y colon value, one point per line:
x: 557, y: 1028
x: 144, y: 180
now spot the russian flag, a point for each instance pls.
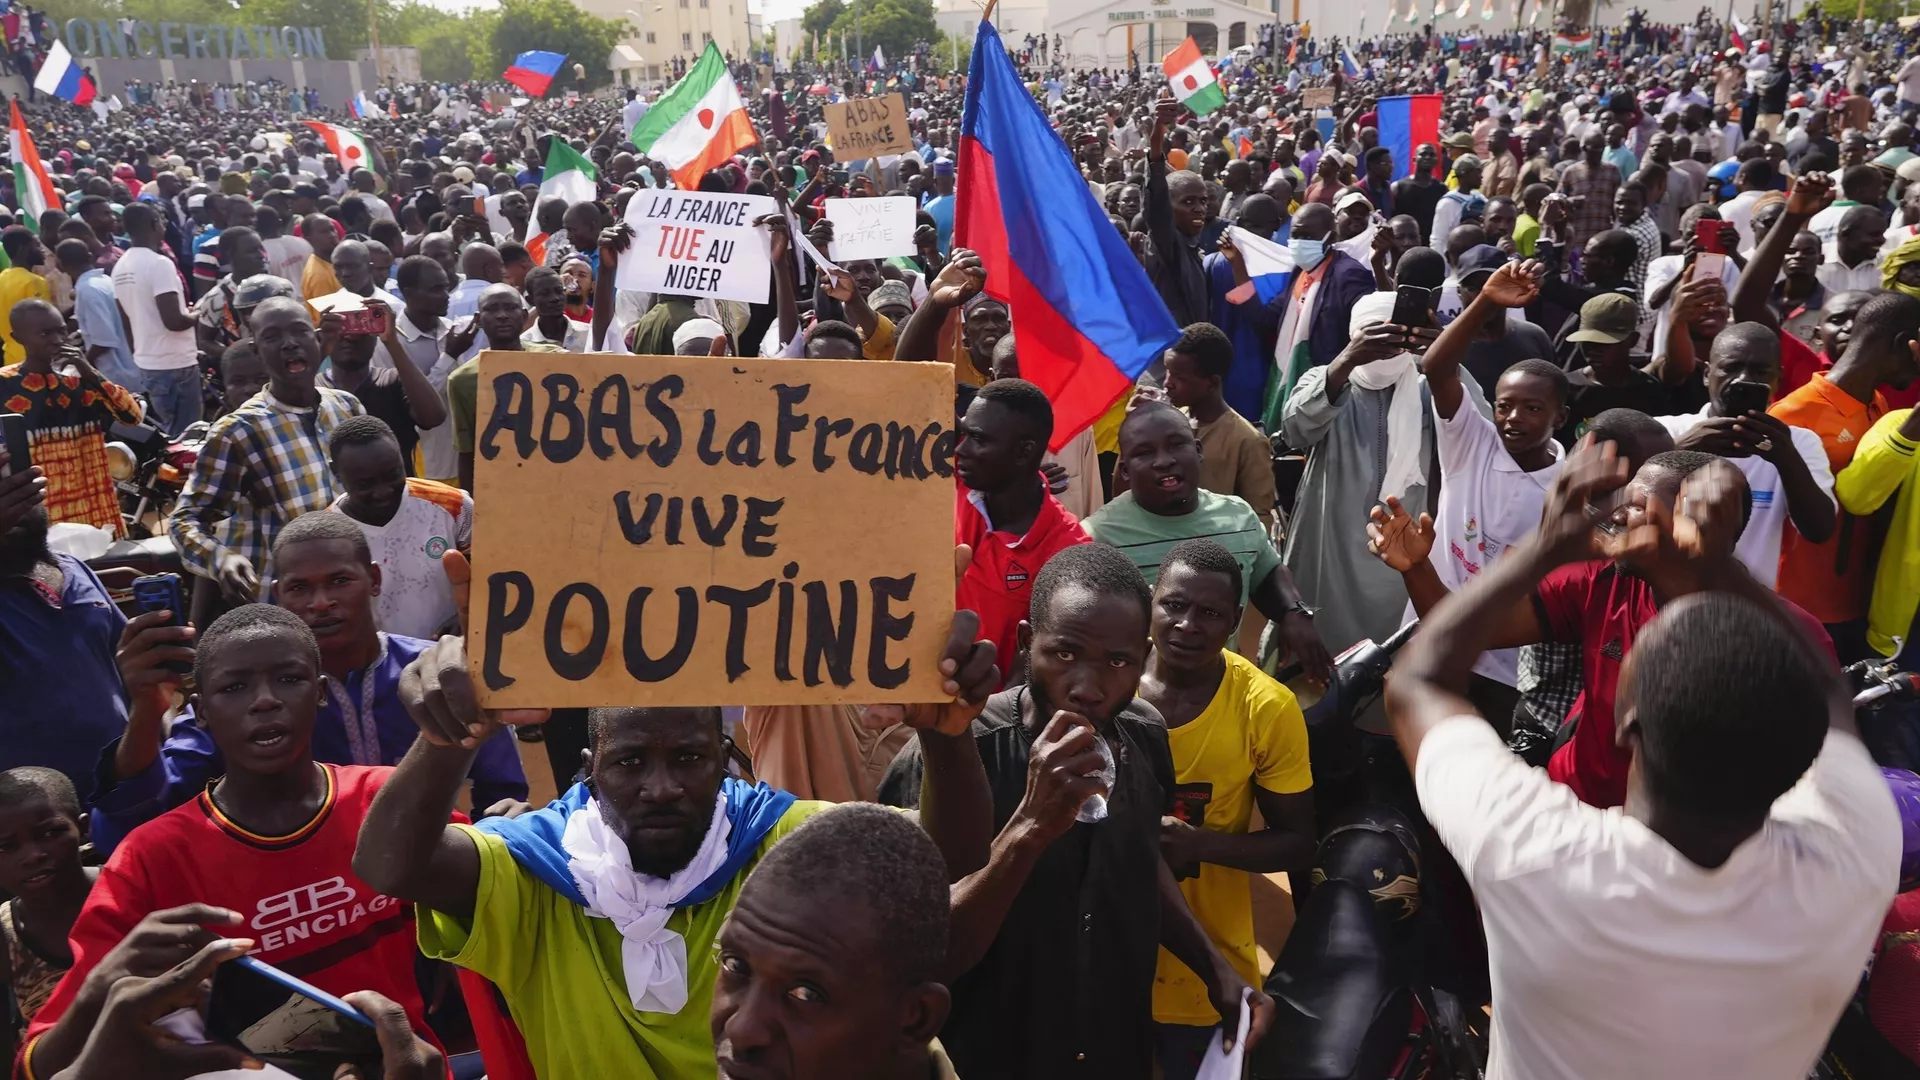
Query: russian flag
x: 1348, y: 65
x: 533, y: 71
x: 1737, y: 30
x: 1087, y: 319
x: 1405, y: 123
x: 60, y: 75
x: 1268, y: 264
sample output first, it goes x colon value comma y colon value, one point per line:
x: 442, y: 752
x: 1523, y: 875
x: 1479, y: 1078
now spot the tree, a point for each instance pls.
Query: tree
x: 894, y: 25
x: 554, y: 26
x: 819, y: 18
x: 447, y: 41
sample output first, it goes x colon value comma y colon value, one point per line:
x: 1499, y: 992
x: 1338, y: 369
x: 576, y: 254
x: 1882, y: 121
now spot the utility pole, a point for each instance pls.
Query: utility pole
x: 373, y: 38
x: 859, y: 39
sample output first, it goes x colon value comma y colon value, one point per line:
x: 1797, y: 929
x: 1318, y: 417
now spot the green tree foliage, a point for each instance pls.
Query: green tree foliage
x: 894, y: 25
x: 818, y: 19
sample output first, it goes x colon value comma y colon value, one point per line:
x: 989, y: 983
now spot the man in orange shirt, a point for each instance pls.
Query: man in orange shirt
x: 1833, y: 580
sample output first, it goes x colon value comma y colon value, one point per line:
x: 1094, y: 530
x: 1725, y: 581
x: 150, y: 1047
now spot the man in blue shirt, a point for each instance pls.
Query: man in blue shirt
x: 1237, y: 311
x: 60, y: 698
x: 102, y: 334
x: 326, y: 575
x: 941, y: 205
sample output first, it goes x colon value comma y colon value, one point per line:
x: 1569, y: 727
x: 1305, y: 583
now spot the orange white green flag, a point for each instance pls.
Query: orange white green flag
x: 698, y: 124
x: 1192, y: 79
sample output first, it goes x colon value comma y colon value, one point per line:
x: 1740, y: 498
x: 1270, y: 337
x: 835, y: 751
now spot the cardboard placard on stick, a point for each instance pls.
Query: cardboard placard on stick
x: 664, y: 530
x: 1317, y: 97
x: 868, y: 127
x: 697, y: 243
x: 877, y: 228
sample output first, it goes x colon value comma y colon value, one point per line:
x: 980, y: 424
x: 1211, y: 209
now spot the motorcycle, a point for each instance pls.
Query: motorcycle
x: 149, y: 469
x: 1868, y: 1039
x: 1372, y: 982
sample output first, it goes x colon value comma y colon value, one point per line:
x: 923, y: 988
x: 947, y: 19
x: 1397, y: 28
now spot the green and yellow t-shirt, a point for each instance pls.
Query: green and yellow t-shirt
x: 1252, y: 732
x: 560, y: 970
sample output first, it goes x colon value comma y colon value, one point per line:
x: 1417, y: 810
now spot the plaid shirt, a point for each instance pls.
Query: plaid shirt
x: 1550, y: 679
x: 264, y: 464
x: 1595, y: 214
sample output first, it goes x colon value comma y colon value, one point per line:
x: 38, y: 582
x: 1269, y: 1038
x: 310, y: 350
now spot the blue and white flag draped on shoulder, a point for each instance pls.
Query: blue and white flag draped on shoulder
x: 533, y: 838
x: 570, y: 846
x: 1268, y: 264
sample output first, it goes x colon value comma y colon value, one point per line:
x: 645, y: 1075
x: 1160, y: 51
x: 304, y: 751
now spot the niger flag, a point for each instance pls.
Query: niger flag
x: 698, y: 124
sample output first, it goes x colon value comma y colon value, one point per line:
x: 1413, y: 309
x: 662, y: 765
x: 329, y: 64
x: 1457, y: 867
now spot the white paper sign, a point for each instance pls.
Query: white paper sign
x: 696, y: 243
x: 871, y: 228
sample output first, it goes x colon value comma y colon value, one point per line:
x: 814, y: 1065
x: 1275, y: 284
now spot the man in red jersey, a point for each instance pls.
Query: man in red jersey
x: 271, y: 843
x: 1003, y: 510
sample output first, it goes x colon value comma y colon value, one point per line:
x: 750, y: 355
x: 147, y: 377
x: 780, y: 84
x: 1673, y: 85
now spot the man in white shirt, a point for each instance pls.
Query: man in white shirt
x: 148, y: 290
x: 632, y: 111
x: 409, y: 525
x: 1495, y: 471
x: 424, y: 332
x: 1753, y: 181
x: 1718, y: 922
x: 1852, y: 260
x: 286, y: 255
x: 1786, y: 467
x: 1909, y: 80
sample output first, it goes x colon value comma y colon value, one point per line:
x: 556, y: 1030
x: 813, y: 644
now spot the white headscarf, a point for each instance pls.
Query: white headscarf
x: 653, y: 958
x: 1400, y: 373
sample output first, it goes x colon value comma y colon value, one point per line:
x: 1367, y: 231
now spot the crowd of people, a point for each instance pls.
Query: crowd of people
x: 1608, y: 380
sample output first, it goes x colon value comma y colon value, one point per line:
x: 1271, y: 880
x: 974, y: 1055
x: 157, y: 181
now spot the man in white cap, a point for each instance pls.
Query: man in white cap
x: 701, y: 337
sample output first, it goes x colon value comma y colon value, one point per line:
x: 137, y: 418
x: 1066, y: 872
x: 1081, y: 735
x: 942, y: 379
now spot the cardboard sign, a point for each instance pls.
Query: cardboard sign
x: 696, y: 243
x: 868, y: 127
x: 1317, y: 97
x: 871, y: 228
x: 670, y: 530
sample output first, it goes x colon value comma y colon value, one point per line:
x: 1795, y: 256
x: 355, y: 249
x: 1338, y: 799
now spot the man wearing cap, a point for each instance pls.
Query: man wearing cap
x: 1606, y: 378
x: 1461, y: 205
x: 1499, y: 343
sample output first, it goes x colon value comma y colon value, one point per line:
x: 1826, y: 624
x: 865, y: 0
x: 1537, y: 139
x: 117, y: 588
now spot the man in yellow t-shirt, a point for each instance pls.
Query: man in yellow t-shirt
x: 19, y: 282
x: 596, y: 915
x: 1239, y: 740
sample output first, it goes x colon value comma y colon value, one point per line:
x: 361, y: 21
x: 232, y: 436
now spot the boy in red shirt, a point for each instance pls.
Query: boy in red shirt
x: 1003, y: 510
x: 271, y: 841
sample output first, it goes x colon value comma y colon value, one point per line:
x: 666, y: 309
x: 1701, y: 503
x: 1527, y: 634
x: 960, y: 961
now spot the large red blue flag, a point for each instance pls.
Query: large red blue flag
x: 1406, y: 122
x: 533, y: 71
x: 1087, y: 319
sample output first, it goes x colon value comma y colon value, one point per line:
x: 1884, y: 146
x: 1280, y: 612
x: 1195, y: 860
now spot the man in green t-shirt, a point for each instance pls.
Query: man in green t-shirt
x: 1165, y: 504
x: 596, y: 916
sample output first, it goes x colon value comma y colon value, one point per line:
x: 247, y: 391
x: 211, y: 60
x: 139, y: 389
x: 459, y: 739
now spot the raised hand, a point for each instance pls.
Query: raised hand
x: 1400, y: 541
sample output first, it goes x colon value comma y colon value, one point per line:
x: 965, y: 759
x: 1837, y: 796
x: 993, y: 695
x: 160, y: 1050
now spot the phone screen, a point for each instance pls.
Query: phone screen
x: 288, y: 1024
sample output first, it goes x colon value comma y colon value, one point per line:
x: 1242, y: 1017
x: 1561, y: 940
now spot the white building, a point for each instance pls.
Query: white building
x: 1103, y: 33
x: 662, y: 30
x: 787, y: 37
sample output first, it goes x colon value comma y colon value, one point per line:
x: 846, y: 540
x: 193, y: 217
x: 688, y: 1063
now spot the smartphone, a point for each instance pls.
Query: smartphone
x: 1709, y: 266
x: 1412, y: 306
x: 364, y: 322
x: 1743, y: 397
x: 19, y: 455
x: 1706, y: 235
x: 287, y: 1023
x: 161, y: 592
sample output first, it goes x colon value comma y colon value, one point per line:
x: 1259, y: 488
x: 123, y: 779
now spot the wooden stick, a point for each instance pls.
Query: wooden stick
x: 987, y: 16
